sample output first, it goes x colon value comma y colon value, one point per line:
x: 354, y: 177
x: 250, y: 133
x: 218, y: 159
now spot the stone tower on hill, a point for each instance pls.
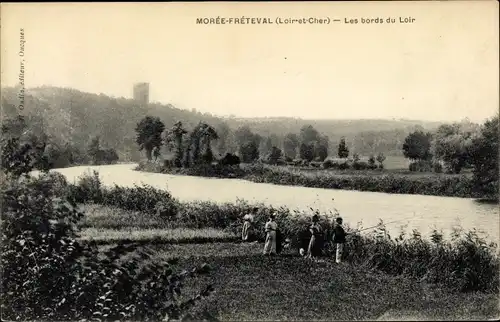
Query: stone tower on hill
x: 141, y: 93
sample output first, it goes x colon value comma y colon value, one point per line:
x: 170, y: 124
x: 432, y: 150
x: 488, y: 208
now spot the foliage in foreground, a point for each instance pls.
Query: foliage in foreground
x: 465, y: 263
x: 48, y: 274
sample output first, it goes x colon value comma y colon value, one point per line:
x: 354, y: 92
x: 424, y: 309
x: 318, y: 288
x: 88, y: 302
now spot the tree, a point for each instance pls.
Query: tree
x: 484, y: 159
x: 380, y: 160
x: 176, y: 133
x: 94, y: 148
x: 321, y: 148
x: 266, y: 146
x: 244, y: 135
x: 149, y: 134
x: 306, y: 151
x: 290, y: 145
x: 223, y: 131
x: 248, y: 144
x: 22, y: 151
x: 309, y: 134
x: 208, y: 134
x: 274, y: 155
x: 371, y: 160
x: 417, y: 146
x: 249, y: 152
x: 452, y: 144
x: 343, y: 151
x: 156, y: 152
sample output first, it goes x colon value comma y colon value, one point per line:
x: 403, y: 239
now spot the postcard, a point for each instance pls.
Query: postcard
x: 237, y: 161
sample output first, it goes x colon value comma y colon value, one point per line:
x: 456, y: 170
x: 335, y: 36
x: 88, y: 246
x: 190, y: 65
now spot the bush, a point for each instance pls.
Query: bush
x: 421, y: 166
x: 361, y: 165
x: 87, y: 189
x: 438, y: 167
x: 371, y: 160
x: 230, y: 159
x: 139, y: 198
x: 344, y: 165
x: 328, y: 164
x: 57, y: 182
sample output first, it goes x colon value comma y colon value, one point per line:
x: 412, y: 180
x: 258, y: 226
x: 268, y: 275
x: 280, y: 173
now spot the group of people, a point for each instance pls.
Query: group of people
x: 312, y: 239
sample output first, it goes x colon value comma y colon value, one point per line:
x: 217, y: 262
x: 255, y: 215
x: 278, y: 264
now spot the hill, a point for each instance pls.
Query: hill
x: 73, y: 117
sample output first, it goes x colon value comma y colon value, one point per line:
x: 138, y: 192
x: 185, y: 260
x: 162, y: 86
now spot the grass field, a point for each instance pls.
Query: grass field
x: 249, y: 286
x: 175, y: 235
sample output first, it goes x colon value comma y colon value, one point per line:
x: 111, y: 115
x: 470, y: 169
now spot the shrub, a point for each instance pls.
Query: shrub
x: 57, y: 182
x: 344, y: 165
x: 420, y: 166
x: 438, y: 167
x: 328, y: 164
x: 315, y: 164
x: 230, y: 159
x: 110, y: 156
x: 361, y: 165
x: 87, y: 189
x: 371, y: 160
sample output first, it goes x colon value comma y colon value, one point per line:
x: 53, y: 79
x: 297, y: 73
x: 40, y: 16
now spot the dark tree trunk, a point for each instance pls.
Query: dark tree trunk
x: 149, y: 154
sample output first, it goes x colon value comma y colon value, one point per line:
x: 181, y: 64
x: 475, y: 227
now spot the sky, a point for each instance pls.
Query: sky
x: 442, y: 67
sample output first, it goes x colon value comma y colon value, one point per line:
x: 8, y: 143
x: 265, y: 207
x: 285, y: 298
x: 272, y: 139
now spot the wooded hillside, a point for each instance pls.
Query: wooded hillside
x: 73, y: 117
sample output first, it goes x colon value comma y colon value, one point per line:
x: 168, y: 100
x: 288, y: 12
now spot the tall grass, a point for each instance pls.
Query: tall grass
x: 465, y: 263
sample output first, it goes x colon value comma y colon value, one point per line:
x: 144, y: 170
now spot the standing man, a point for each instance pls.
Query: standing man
x: 338, y: 239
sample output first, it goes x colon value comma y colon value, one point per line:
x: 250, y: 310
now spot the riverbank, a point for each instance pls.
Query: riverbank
x: 434, y: 184
x: 251, y: 287
x: 141, y: 235
x: 447, y: 262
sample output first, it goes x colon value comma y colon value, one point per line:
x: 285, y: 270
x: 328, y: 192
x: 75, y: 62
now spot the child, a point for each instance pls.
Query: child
x: 271, y: 227
x: 247, y: 225
x: 338, y: 239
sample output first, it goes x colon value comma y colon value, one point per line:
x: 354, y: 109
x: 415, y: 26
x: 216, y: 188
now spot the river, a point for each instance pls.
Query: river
x: 415, y: 211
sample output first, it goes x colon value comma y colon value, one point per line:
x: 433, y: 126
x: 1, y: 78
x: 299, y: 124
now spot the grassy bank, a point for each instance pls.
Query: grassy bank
x: 141, y: 279
x: 401, y: 182
x: 465, y: 263
x: 251, y: 287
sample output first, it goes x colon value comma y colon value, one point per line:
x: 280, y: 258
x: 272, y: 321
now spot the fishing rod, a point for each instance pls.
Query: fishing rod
x: 382, y: 223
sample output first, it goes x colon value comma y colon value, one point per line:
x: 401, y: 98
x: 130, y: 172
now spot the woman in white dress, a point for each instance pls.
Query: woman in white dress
x: 271, y: 226
x: 247, y: 225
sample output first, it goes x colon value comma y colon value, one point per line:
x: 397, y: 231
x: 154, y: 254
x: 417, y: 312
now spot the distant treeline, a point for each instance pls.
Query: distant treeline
x: 71, y: 118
